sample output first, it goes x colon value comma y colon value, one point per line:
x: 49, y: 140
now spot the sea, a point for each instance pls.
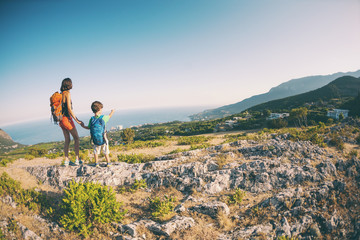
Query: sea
x: 44, y: 130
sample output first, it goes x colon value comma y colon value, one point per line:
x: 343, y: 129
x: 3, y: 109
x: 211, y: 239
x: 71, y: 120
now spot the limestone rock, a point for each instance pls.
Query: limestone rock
x: 212, y: 208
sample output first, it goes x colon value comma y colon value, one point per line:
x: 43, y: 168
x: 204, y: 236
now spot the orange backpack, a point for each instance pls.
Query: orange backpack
x: 55, y: 104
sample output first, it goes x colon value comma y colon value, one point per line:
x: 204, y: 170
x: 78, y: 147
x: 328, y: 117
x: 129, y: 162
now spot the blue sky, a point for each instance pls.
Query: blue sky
x: 144, y: 54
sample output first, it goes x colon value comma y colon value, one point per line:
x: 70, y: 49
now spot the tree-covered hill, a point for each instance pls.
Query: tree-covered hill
x: 342, y: 87
x: 286, y: 89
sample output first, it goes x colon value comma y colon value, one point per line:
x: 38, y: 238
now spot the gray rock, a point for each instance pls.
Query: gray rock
x: 314, y: 231
x: 9, y: 201
x: 131, y: 228
x: 212, y: 208
x: 301, y: 226
x: 27, y: 233
x: 253, y: 231
x: 179, y: 208
x: 284, y: 228
x: 176, y: 223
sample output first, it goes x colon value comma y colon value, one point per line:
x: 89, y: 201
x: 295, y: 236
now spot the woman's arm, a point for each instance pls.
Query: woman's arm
x: 68, y: 103
x: 83, y: 125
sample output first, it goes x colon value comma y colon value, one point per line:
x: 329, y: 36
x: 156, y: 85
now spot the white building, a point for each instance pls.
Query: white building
x: 336, y: 113
x: 277, y: 115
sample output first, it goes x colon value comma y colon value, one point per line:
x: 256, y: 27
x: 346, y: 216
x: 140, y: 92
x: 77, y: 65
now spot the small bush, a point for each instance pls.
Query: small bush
x: 128, y: 135
x: 4, y: 162
x: 2, y: 236
x: 139, y: 184
x: 237, y: 197
x: 29, y: 157
x: 161, y: 207
x: 337, y: 142
x: 53, y: 155
x: 178, y: 150
x: 286, y: 238
x: 135, y: 158
x: 37, y: 152
x: 191, y: 140
x: 86, y: 205
x: 358, y: 139
x: 134, y: 187
x: 13, y: 226
x: 353, y: 153
x: 201, y: 146
x: 29, y: 198
x: 145, y: 144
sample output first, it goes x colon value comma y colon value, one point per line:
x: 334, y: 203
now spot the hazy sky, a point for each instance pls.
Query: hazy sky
x: 142, y: 54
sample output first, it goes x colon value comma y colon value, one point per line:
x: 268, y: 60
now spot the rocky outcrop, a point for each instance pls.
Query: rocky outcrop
x: 303, y: 184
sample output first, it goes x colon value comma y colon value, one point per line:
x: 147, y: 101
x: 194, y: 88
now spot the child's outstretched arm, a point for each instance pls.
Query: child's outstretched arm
x: 112, y: 112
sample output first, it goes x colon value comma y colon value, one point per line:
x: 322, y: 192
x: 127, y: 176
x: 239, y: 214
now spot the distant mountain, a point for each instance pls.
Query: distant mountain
x: 290, y: 88
x: 6, y: 142
x: 342, y: 87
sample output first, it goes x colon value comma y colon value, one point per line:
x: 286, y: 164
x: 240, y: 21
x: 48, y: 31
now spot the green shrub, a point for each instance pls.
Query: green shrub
x: 145, y: 144
x: 37, y: 152
x: 161, y: 207
x: 191, y: 140
x: 336, y: 141
x: 135, y: 158
x: 237, y: 197
x: 178, y: 150
x: 128, y: 135
x: 86, y: 205
x: 53, y: 155
x: 134, y: 187
x: 29, y: 198
x: 286, y: 238
x: 13, y: 226
x: 277, y: 123
x: 29, y: 157
x: 201, y: 146
x: 139, y: 184
x: 358, y: 139
x: 4, y: 162
x: 2, y: 236
x: 84, y: 155
x: 353, y: 153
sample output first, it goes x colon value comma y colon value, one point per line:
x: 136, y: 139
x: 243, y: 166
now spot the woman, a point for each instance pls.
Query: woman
x: 66, y: 123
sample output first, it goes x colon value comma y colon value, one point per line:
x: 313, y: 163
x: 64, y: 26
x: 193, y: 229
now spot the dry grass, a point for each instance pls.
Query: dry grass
x: 203, y: 230
x: 143, y: 231
x: 225, y: 223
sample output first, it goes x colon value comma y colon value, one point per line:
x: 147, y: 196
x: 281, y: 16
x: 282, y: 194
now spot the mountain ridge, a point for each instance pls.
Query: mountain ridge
x: 346, y: 86
x: 286, y: 89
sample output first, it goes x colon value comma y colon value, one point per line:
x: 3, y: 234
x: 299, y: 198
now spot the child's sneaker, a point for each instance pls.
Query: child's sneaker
x: 108, y: 164
x: 96, y: 165
x: 66, y: 163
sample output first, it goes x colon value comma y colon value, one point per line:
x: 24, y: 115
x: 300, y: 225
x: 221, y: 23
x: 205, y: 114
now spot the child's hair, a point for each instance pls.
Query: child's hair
x: 66, y: 84
x: 96, y: 106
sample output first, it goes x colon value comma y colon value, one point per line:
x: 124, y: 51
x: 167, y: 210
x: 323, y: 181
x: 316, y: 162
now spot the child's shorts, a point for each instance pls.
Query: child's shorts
x: 104, y: 148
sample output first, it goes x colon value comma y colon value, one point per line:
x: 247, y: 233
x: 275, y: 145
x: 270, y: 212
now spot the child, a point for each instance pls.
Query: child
x: 97, y: 125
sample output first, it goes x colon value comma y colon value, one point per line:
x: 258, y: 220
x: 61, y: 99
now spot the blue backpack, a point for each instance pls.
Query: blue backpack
x: 97, y: 130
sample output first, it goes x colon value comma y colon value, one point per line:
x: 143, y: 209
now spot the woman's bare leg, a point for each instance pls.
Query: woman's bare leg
x: 67, y: 143
x: 75, y: 135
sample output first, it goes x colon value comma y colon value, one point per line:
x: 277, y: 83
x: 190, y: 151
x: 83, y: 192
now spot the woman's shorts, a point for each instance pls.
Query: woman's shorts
x: 67, y: 123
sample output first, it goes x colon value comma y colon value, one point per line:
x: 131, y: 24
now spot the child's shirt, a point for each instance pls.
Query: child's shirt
x: 105, y: 118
